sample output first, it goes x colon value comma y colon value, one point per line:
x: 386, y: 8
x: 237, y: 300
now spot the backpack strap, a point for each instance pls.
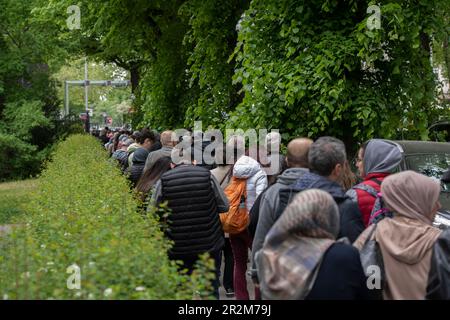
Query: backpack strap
x: 364, y: 187
x: 226, y: 175
x: 378, y: 182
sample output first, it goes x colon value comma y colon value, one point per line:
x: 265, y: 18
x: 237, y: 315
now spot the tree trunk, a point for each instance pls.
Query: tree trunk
x: 135, y: 77
x: 447, y: 56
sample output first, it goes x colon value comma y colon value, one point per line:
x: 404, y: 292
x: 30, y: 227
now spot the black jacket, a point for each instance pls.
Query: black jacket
x: 193, y: 223
x: 156, y: 146
x: 137, y: 168
x: 340, y: 276
x: 351, y: 223
x: 439, y: 277
x: 254, y: 215
x: 134, y: 173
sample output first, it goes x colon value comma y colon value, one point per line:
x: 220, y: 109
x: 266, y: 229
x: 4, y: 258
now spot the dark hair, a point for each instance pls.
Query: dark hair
x: 146, y: 134
x: 152, y: 175
x: 136, y: 136
x: 324, y: 154
x: 220, y: 155
x: 116, y: 141
x: 363, y: 146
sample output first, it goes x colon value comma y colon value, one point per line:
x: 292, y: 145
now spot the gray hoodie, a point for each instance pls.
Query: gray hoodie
x: 269, y: 205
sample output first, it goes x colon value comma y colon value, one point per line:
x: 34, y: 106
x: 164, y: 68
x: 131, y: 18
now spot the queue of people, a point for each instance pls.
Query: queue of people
x: 313, y: 232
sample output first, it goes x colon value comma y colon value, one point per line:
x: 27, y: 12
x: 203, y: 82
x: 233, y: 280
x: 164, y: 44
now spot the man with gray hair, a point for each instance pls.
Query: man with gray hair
x: 326, y: 159
x: 168, y: 141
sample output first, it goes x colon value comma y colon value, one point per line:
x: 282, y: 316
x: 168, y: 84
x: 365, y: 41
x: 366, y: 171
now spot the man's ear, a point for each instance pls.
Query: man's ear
x: 336, y: 173
x: 172, y: 165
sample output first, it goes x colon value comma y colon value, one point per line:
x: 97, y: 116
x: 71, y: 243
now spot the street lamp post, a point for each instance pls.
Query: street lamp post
x: 86, y: 84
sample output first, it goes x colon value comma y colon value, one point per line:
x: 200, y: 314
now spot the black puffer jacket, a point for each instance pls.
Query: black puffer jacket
x: 193, y: 224
x: 351, y: 224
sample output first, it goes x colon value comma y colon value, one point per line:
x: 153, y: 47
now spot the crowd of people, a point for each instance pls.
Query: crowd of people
x: 315, y: 229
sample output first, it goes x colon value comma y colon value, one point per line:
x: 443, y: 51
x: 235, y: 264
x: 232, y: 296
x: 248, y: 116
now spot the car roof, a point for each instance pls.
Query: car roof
x: 440, y: 125
x: 410, y: 146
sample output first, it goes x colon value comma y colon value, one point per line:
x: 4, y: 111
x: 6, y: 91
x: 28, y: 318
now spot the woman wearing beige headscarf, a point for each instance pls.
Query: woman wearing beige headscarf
x: 406, y: 240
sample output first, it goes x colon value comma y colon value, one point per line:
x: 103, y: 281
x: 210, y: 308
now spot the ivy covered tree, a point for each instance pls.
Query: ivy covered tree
x: 305, y: 67
x: 211, y: 39
x: 314, y: 68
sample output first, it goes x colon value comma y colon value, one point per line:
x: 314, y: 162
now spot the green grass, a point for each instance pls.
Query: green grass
x: 12, y: 197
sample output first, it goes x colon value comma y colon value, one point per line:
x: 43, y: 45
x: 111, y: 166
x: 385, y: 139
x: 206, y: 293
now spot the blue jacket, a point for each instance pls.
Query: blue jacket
x: 351, y: 224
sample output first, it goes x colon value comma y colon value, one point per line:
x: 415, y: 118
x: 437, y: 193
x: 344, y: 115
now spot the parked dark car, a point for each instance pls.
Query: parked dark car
x: 440, y: 131
x: 433, y: 160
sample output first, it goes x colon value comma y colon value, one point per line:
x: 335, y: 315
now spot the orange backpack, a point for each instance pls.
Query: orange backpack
x: 237, y: 218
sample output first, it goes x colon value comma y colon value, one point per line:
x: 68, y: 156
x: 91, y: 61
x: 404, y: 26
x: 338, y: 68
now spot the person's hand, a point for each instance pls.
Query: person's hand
x: 254, y: 276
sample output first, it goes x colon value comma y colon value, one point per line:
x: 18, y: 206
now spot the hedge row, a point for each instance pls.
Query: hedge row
x: 83, y: 215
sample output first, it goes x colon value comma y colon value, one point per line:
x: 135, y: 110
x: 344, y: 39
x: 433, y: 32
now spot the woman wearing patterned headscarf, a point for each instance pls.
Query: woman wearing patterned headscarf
x: 301, y: 258
x: 406, y: 240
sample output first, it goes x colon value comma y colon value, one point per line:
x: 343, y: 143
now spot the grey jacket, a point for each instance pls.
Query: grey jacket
x: 222, y: 174
x: 155, y: 155
x: 268, y: 207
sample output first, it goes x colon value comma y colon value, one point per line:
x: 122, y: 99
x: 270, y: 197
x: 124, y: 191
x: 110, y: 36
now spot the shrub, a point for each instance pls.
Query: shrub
x: 83, y: 213
x: 22, y: 116
x: 18, y: 159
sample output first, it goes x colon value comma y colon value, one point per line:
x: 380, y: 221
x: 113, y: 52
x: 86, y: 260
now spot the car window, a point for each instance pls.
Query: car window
x: 431, y: 165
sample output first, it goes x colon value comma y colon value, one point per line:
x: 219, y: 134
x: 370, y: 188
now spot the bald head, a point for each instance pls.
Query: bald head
x: 297, y: 153
x: 167, y: 139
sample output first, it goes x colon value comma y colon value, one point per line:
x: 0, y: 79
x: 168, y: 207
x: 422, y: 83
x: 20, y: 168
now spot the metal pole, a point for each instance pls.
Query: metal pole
x: 66, y: 97
x: 86, y: 93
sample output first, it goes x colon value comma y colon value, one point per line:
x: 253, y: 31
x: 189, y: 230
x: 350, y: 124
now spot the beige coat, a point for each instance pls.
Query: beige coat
x: 406, y: 246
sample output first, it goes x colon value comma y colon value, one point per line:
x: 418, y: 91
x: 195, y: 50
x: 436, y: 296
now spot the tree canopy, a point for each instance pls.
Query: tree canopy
x: 304, y: 67
x: 308, y: 68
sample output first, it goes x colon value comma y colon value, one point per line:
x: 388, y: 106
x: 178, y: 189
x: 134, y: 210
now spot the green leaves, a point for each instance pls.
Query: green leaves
x: 88, y: 217
x: 329, y: 78
x: 18, y: 159
x: 23, y: 116
x: 290, y: 64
